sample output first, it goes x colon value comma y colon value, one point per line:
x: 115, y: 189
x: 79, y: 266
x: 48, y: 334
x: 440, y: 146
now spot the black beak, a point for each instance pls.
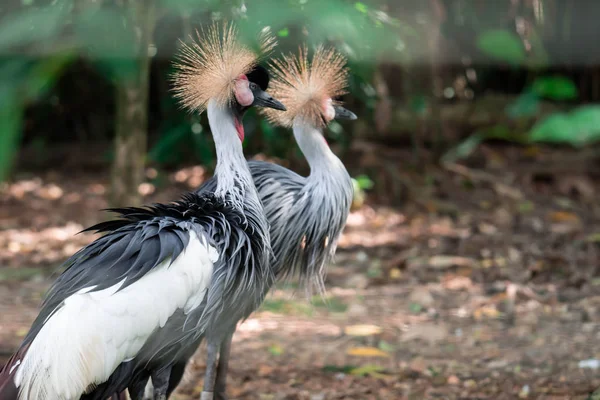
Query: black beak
x: 263, y: 99
x: 342, y: 113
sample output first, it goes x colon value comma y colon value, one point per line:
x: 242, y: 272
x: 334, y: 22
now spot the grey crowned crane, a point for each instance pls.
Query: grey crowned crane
x: 306, y: 214
x: 202, y: 260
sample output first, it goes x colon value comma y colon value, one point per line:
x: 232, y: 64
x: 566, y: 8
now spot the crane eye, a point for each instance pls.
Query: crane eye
x: 252, y: 86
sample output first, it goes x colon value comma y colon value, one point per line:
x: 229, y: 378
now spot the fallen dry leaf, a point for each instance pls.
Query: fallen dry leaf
x: 366, y: 352
x: 457, y: 283
x: 395, y: 273
x: 362, y: 330
x: 564, y: 217
x: 486, y: 312
x: 265, y: 370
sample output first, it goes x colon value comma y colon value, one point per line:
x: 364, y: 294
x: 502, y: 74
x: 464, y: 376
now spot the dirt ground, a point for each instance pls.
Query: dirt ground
x: 483, y: 283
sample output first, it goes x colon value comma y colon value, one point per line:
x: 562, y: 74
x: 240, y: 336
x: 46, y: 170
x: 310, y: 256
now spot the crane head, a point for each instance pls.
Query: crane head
x: 217, y: 66
x: 250, y: 90
x: 308, y: 88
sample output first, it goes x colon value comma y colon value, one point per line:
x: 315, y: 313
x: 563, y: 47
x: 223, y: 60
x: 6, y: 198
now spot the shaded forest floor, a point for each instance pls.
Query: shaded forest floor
x: 482, y: 284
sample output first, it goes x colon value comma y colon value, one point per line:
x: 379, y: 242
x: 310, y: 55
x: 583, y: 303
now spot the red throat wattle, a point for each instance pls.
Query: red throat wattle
x: 239, y: 128
x: 238, y: 123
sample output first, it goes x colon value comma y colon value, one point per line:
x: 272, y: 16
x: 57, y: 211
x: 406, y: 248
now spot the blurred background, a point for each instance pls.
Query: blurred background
x: 469, y: 265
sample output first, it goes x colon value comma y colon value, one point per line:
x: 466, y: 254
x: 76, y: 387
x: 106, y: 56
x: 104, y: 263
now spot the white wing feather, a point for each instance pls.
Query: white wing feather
x: 85, y: 339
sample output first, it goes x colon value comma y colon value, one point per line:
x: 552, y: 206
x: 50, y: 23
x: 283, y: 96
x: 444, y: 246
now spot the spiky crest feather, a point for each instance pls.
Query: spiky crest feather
x: 302, y: 85
x: 207, y: 68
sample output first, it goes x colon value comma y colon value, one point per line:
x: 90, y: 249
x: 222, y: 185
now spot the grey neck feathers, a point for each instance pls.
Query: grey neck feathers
x: 324, y: 164
x: 242, y: 278
x: 234, y: 179
x: 308, y: 239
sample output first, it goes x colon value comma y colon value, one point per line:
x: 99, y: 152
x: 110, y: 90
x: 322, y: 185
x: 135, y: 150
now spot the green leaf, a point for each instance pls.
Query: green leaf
x: 526, y: 105
x: 415, y: 308
x: 387, y: 347
x: 334, y: 368
x: 502, y: 45
x: 367, y: 370
x: 276, y: 349
x: 525, y: 207
x: 555, y: 88
x: 361, y: 7
x: 554, y: 128
x: 364, y: 182
x: 578, y: 128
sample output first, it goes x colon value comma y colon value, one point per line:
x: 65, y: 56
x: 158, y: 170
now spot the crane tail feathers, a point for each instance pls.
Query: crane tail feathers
x: 8, y: 387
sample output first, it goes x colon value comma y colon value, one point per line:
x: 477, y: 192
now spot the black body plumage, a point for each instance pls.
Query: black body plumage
x: 141, y: 239
x: 305, y: 225
x: 239, y: 237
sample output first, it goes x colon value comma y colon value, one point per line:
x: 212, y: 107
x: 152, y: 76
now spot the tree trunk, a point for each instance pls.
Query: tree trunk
x: 435, y: 37
x: 132, y: 112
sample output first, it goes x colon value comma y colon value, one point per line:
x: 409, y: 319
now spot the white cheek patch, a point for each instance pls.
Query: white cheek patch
x: 243, y: 94
x: 328, y: 110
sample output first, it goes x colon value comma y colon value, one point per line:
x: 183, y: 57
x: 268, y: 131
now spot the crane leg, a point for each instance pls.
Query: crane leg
x: 211, y: 370
x: 221, y: 382
x: 177, y: 372
x: 137, y: 388
x: 160, y: 381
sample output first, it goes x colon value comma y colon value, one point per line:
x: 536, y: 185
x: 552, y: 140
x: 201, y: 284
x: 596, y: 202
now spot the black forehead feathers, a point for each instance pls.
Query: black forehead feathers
x: 260, y: 76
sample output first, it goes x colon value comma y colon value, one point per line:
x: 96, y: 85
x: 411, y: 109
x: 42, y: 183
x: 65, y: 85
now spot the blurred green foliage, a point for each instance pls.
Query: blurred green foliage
x: 102, y: 32
x: 555, y: 88
x: 578, y: 128
x: 502, y: 45
x: 389, y: 44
